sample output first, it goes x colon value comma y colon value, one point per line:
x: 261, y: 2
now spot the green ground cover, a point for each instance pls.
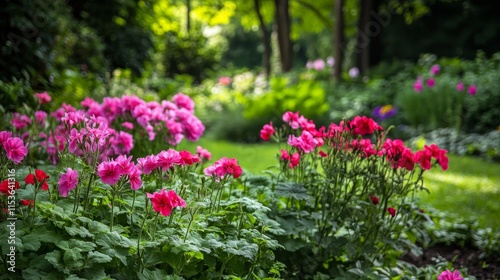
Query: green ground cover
x: 470, y: 188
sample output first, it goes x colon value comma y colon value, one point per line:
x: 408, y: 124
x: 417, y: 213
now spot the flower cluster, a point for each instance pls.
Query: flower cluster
x: 111, y: 171
x: 418, y: 85
x: 39, y: 179
x: 223, y: 167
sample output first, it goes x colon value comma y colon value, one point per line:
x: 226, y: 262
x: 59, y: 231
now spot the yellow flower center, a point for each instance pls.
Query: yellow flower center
x: 385, y: 109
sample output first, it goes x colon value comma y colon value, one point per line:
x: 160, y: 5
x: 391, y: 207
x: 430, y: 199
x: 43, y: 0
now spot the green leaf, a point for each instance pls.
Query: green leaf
x: 96, y: 227
x: 80, y: 231
x: 292, y: 190
x: 30, y: 243
x: 55, y: 258
x: 76, y: 245
x: 97, y: 257
x: 242, y: 248
x: 156, y: 274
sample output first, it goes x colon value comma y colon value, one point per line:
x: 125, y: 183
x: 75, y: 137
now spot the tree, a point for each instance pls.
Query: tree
x: 283, y: 30
x: 338, y: 39
x: 266, y: 55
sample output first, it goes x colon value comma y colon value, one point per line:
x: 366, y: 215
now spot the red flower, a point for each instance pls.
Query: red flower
x: 374, y: 199
x: 224, y: 166
x: 163, y: 201
x: 267, y: 131
x: 284, y: 155
x: 38, y: 177
x: 294, y: 160
x: 27, y: 202
x: 391, y: 211
x: 4, y: 187
x: 322, y: 154
x: 188, y: 158
x: 364, y: 125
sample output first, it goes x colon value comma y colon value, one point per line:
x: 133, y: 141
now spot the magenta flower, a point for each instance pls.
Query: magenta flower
x: 417, y: 86
x: 124, y: 164
x: 166, y: 159
x: 187, y: 158
x: 43, y: 97
x: 40, y: 117
x: 109, y: 172
x: 431, y: 82
x: 184, y: 101
x: 267, y: 131
x: 128, y: 125
x: 364, y: 125
x: 20, y: 121
x: 134, y: 177
x: 67, y: 182
x: 148, y: 164
x: 292, y: 119
x: 448, y: 275
x: 472, y: 90
x: 16, y: 151
x: 435, y: 69
x: 460, y: 86
x: 4, y: 135
x: 122, y: 142
x: 163, y: 201
x: 306, y: 142
x: 224, y: 166
x: 294, y: 160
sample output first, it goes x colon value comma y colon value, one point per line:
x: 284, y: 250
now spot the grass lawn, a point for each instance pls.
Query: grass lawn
x: 470, y: 188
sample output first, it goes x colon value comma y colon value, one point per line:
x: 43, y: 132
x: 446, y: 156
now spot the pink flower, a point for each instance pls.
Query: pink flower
x: 318, y: 64
x: 4, y: 135
x: 163, y: 201
x: 364, y: 125
x: 448, y: 275
x: 20, y: 121
x: 224, y: 166
x: 292, y: 119
x: 306, y: 142
x: 43, y: 97
x: 460, y: 86
x: 109, y: 172
x: 16, y: 151
x: 284, y: 155
x: 472, y: 90
x: 354, y: 72
x: 148, y: 164
x: 124, y: 164
x: 431, y: 82
x: 225, y: 81
x: 184, y: 101
x: 330, y: 61
x: 374, y: 199
x: 267, y: 131
x: 391, y: 211
x: 417, y: 86
x: 134, y: 177
x: 435, y: 69
x: 128, y: 125
x: 122, y: 143
x: 40, y: 117
x: 166, y: 159
x: 424, y: 158
x: 204, y: 154
x: 67, y: 182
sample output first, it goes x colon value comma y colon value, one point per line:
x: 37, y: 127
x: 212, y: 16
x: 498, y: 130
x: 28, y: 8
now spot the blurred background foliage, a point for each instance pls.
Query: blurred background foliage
x: 245, y: 62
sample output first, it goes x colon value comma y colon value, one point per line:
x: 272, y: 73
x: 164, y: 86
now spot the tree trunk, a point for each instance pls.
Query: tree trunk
x: 188, y: 16
x: 366, y: 31
x: 266, y: 55
x: 338, y: 39
x: 283, y: 24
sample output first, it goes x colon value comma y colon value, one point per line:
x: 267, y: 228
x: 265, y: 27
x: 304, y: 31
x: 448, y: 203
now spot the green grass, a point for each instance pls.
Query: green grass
x: 470, y: 188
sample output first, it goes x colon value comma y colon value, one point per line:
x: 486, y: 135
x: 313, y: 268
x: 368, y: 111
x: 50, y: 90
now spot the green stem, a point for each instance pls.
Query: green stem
x: 155, y: 226
x: 189, y: 225
x: 91, y: 179
x: 140, y: 237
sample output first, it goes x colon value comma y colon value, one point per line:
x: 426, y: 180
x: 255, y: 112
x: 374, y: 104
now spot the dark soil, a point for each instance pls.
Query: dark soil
x: 482, y: 268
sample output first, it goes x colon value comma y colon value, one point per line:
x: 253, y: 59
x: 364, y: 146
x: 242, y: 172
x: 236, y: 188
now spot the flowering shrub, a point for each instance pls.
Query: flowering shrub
x: 344, y: 195
x: 436, y: 100
x: 103, y: 213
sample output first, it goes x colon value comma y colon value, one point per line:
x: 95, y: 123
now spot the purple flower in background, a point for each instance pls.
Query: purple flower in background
x: 384, y: 112
x: 435, y: 69
x: 460, y: 86
x: 330, y: 61
x: 319, y: 64
x: 431, y: 82
x: 309, y: 64
x: 354, y: 72
x: 448, y: 275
